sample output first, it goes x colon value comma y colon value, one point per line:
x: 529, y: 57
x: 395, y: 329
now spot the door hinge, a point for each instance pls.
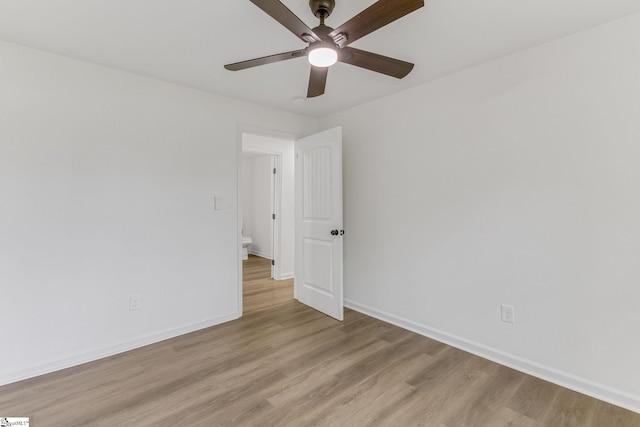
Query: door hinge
x: 274, y: 171
x: 273, y: 216
x: 273, y: 262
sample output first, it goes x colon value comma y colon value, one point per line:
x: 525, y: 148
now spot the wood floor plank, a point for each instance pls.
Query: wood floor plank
x: 511, y: 418
x: 533, y: 397
x: 570, y: 409
x: 284, y: 364
x: 489, y: 398
x: 443, y: 389
x: 609, y: 415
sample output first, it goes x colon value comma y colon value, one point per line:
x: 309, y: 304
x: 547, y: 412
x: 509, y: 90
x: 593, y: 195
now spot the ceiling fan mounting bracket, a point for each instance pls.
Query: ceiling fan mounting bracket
x: 322, y: 8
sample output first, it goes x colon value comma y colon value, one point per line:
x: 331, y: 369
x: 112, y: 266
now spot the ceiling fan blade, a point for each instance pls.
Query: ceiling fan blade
x: 283, y: 15
x: 317, y: 81
x: 376, y: 16
x: 265, y: 60
x: 374, y: 62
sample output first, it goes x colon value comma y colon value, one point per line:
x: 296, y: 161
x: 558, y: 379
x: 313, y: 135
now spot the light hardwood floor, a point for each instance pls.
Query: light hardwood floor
x: 284, y: 364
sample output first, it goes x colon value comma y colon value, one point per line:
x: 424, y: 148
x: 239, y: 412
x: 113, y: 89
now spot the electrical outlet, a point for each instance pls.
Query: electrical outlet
x: 508, y: 313
x: 135, y: 302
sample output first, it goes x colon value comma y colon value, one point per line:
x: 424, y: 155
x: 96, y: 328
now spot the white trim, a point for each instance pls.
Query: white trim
x: 239, y: 218
x: 564, y: 379
x: 276, y: 225
x: 261, y: 255
x: 103, y: 352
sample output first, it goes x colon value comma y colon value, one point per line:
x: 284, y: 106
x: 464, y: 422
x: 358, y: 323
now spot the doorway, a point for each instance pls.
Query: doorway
x: 259, y: 205
x: 269, y: 198
x: 312, y: 167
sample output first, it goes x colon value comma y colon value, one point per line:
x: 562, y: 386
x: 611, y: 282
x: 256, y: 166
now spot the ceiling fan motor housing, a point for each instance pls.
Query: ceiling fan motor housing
x: 322, y: 8
x: 323, y: 31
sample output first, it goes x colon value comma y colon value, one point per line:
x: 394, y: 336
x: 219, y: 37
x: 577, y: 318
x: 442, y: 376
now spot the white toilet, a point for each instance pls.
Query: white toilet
x: 246, y: 242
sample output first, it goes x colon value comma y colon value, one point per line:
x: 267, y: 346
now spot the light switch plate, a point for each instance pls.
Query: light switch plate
x: 218, y: 203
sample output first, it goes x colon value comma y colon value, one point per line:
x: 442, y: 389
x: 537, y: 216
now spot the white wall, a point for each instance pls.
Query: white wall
x: 257, y: 191
x: 514, y: 182
x: 285, y: 148
x: 107, y: 182
x: 247, y: 195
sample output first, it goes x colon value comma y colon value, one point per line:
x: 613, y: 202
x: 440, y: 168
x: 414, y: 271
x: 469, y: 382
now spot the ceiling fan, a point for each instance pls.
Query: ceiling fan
x: 328, y: 45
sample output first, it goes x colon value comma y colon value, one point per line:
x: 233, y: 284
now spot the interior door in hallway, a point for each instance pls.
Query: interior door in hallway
x: 318, y: 231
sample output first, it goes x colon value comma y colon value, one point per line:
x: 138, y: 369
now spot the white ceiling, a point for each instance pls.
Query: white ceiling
x: 189, y: 41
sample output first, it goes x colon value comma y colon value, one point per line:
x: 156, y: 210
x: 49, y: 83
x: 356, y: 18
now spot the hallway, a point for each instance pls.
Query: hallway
x: 259, y: 290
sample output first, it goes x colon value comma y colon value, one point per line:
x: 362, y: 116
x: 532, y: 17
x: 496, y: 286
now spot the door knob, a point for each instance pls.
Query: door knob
x: 334, y: 232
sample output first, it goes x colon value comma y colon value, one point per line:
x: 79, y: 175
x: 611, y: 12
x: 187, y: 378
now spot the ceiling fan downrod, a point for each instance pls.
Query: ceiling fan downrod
x: 322, y: 8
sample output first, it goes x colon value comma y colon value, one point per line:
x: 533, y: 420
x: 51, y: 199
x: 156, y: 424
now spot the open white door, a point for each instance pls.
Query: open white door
x: 318, y: 231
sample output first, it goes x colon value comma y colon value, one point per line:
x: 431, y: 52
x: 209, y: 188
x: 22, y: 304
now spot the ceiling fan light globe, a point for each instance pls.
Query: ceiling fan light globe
x: 323, y: 57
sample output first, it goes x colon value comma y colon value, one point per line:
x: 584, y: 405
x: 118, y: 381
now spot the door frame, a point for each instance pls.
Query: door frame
x: 276, y: 204
x: 257, y: 131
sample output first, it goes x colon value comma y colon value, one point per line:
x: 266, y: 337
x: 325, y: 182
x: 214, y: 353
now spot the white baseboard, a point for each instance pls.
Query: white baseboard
x: 564, y: 379
x: 260, y: 254
x: 283, y: 276
x: 111, y: 350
